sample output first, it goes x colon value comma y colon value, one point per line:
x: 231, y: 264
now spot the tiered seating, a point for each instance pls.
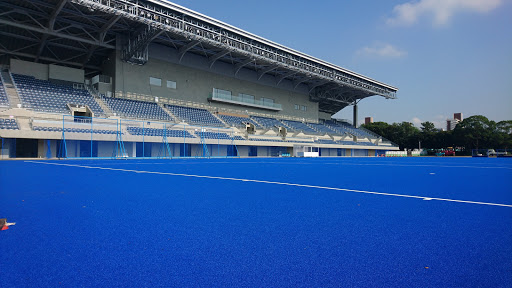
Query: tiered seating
x: 9, y: 124
x: 138, y: 131
x: 73, y: 130
x: 217, y: 135
x: 325, y: 141
x: 267, y: 122
x: 321, y: 128
x: 299, y: 141
x: 341, y: 130
x: 195, y: 115
x: 237, y: 121
x: 137, y: 109
x: 299, y: 126
x: 276, y: 139
x: 345, y: 127
x: 4, y: 101
x: 354, y: 131
x: 356, y: 143
x: 43, y: 96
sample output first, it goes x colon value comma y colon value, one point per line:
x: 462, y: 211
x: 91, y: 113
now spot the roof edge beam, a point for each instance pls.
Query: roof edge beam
x: 184, y: 49
x: 51, y: 25
x: 107, y: 26
x: 56, y: 12
x: 311, y: 87
x: 212, y: 59
x: 284, y: 76
x: 56, y: 34
x: 240, y: 65
x: 298, y: 81
x: 48, y: 59
x: 264, y: 71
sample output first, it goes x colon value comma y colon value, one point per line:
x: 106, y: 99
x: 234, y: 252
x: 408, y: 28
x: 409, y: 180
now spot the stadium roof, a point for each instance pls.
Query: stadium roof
x: 82, y: 33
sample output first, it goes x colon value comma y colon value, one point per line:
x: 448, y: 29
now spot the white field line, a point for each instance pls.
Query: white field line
x: 276, y: 183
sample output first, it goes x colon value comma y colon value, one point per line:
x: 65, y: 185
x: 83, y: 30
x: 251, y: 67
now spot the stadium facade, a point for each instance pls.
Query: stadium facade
x: 148, y: 78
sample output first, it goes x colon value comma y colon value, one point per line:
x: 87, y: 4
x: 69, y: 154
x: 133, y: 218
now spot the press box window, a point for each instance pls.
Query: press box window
x: 225, y: 94
x: 303, y: 108
x: 267, y: 101
x: 246, y: 98
x: 155, y: 81
x: 171, y: 84
x: 297, y: 107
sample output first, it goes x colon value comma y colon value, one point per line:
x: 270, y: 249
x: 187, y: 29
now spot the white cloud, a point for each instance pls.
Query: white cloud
x: 440, y: 121
x: 441, y: 11
x: 416, y: 121
x: 381, y: 50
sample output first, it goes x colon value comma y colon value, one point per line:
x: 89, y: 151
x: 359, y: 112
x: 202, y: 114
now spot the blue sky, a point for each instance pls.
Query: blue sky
x: 445, y: 56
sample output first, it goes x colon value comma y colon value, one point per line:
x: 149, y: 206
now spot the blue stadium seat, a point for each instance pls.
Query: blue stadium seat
x: 217, y: 135
x: 44, y: 96
x: 237, y: 121
x: 268, y: 123
x: 137, y: 109
x: 138, y: 131
x: 344, y: 127
x: 4, y: 101
x: 325, y: 141
x: 9, y: 124
x: 299, y: 127
x: 321, y: 128
x: 195, y: 116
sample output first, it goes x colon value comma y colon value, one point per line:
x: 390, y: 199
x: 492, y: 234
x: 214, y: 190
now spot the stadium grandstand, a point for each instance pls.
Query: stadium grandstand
x: 149, y: 78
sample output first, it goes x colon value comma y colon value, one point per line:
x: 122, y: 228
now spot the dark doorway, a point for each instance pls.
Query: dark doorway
x: 26, y: 148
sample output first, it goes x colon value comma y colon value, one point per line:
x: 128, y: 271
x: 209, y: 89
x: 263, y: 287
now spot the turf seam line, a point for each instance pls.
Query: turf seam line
x: 276, y: 183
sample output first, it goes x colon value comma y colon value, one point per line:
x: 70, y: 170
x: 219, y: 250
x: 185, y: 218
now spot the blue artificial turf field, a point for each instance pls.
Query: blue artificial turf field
x: 152, y: 223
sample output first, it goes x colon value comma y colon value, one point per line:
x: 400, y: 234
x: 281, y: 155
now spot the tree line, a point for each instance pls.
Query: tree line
x: 475, y: 132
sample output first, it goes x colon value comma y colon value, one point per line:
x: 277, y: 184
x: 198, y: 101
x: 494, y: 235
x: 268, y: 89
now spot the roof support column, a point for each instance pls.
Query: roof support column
x: 354, y: 121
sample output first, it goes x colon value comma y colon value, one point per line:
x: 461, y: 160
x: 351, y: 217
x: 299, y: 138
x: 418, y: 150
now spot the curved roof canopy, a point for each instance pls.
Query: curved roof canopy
x: 80, y: 33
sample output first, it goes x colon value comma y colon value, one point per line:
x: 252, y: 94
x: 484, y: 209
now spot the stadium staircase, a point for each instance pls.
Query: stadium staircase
x: 168, y: 111
x: 220, y: 119
x: 103, y: 106
x: 10, y: 88
x: 97, y: 97
x: 262, y: 129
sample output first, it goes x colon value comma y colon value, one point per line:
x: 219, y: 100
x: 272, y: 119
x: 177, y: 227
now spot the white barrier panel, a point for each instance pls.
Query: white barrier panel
x: 396, y: 153
x: 308, y: 154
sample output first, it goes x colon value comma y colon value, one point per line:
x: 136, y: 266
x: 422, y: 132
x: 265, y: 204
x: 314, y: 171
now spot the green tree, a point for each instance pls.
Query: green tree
x: 504, y: 129
x: 404, y: 134
x: 428, y: 127
x: 475, y: 132
x: 381, y: 128
x: 427, y: 137
x: 472, y: 133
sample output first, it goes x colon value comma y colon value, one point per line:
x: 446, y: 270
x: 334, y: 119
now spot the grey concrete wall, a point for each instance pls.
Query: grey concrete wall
x: 243, y: 151
x: 105, y: 149
x: 262, y: 151
x: 323, y: 115
x: 195, y: 81
x: 73, y: 148
x: 103, y: 88
x: 66, y: 73
x: 130, y: 149
x: 45, y: 72
x: 40, y: 71
x: 109, y: 68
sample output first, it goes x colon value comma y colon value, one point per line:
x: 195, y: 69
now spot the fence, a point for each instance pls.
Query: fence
x: 85, y: 137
